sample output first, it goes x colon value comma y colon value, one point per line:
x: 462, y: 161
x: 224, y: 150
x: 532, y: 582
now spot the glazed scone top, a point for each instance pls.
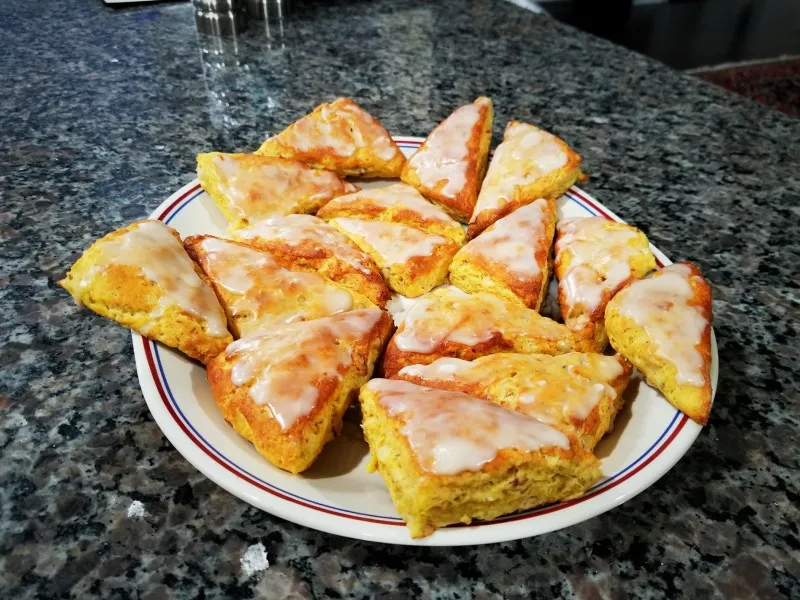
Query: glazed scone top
x: 511, y: 241
x: 450, y: 315
x: 284, y: 363
x: 451, y: 432
x: 661, y: 305
x: 265, y: 289
x: 551, y: 388
x: 600, y: 253
x: 526, y: 154
x: 444, y: 154
x: 395, y: 243
x: 342, y: 127
x: 397, y: 194
x: 295, y: 230
x: 152, y: 247
x: 266, y: 186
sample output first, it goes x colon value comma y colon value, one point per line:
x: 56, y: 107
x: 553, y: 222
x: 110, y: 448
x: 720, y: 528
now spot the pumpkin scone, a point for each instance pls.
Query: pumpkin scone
x: 410, y: 239
x: 396, y: 203
x: 449, y: 167
x: 310, y: 242
x: 530, y: 164
x: 286, y: 389
x: 341, y: 137
x: 578, y: 393
x: 448, y: 322
x: 141, y: 277
x: 258, y: 290
x: 595, y: 258
x: 447, y: 457
x: 249, y: 187
x: 511, y: 258
x: 662, y: 324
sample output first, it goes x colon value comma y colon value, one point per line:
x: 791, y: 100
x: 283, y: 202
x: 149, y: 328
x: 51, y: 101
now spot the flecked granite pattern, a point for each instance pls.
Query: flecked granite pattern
x: 101, y: 114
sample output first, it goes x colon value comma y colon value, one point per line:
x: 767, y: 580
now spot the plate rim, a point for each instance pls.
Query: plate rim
x: 680, y: 434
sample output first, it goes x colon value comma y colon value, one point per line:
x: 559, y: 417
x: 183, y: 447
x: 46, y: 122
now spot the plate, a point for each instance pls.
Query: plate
x: 337, y: 495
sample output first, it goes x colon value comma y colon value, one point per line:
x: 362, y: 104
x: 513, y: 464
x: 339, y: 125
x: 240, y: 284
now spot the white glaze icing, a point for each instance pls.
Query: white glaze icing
x: 550, y: 388
x: 451, y: 432
x: 397, y: 194
x: 295, y: 230
x: 442, y: 369
x: 286, y: 364
x: 449, y: 315
x: 267, y: 292
x: 394, y: 243
x: 661, y: 306
x: 340, y: 127
x: 526, y: 154
x: 151, y: 247
x: 445, y: 156
x: 599, y: 263
x: 513, y: 240
x: 273, y: 187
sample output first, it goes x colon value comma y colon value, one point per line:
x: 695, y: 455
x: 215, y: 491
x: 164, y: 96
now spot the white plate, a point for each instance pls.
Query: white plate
x: 337, y: 495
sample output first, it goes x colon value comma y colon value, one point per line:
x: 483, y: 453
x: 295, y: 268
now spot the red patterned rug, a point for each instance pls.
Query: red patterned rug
x: 775, y: 83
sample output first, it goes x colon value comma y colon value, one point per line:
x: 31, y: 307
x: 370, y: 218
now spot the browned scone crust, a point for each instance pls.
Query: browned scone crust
x: 325, y: 139
x: 124, y: 293
x: 490, y: 262
x: 397, y: 203
x: 270, y: 303
x: 312, y: 244
x: 515, y: 167
x: 429, y: 327
x: 638, y: 343
x: 538, y: 385
x: 461, y: 204
x: 296, y: 448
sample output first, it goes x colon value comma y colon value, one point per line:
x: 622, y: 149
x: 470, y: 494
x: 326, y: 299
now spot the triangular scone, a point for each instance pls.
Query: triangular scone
x: 449, y: 166
x: 311, y: 243
x: 577, y: 393
x: 447, y: 457
x: 396, y: 203
x: 410, y: 239
x: 511, y: 259
x: 341, y: 137
x: 448, y: 322
x: 663, y: 326
x: 249, y: 187
x: 412, y: 261
x: 595, y: 258
x: 259, y: 290
x: 141, y: 277
x: 286, y: 389
x: 529, y: 164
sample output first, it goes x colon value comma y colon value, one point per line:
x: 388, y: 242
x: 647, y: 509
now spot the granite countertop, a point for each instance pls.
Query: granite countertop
x: 101, y: 114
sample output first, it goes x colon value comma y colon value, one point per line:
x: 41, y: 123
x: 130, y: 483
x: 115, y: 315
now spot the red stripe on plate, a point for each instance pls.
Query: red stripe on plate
x: 183, y: 196
x: 578, y: 194
x: 215, y: 458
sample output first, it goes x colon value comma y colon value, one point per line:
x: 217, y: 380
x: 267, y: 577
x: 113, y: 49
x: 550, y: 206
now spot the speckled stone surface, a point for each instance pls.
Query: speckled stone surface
x: 101, y: 113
